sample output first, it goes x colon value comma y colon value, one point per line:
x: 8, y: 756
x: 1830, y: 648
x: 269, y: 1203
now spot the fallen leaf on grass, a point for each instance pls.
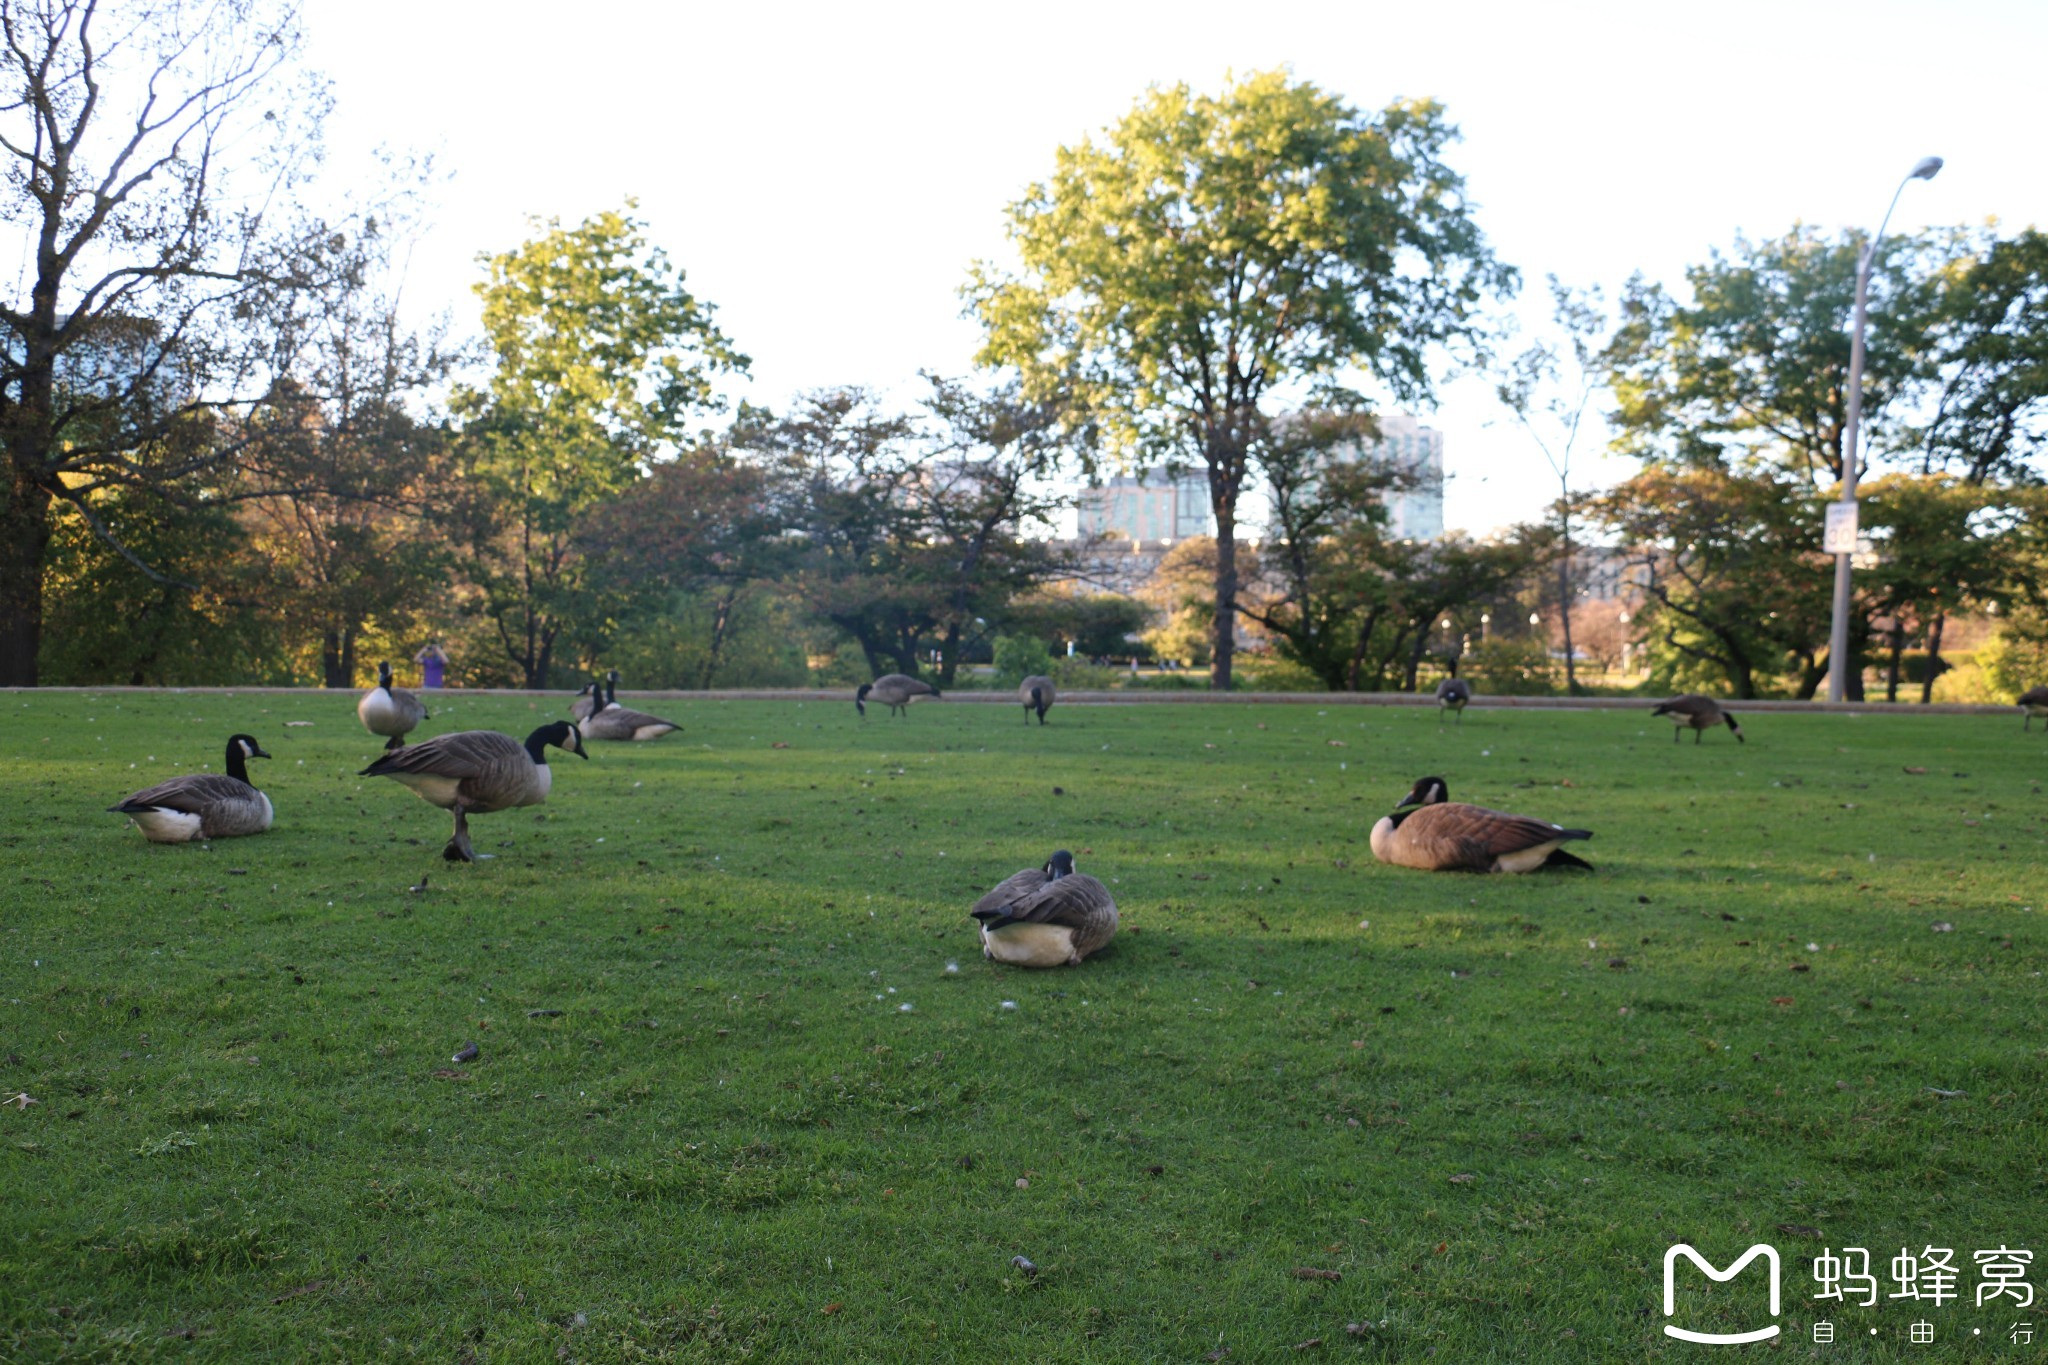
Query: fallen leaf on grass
x: 1309, y: 1272
x: 1308, y: 1345
x: 21, y: 1101
x: 1217, y: 1354
x: 543, y: 1014
x: 1917, y: 772
x: 778, y: 744
x: 1801, y: 967
x: 832, y: 1308
x: 1781, y: 1000
x: 1463, y: 1179
x: 448, y: 1074
x: 313, y: 1288
x: 1798, y: 1230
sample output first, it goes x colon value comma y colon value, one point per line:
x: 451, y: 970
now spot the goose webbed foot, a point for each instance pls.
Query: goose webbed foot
x: 458, y: 849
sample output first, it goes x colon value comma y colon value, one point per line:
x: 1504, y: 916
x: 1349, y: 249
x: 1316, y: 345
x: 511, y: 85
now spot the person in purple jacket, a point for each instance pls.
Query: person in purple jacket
x: 433, y: 662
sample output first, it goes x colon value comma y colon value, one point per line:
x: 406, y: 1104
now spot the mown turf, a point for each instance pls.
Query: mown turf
x: 761, y: 1113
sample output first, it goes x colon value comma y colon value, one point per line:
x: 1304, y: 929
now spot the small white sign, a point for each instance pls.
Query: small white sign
x: 1840, y: 536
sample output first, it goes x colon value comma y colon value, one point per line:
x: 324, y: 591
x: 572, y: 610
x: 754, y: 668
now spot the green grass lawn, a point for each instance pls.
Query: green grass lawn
x: 748, y: 1089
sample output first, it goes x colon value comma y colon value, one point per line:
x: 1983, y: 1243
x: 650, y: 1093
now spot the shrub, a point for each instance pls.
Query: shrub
x: 1021, y: 656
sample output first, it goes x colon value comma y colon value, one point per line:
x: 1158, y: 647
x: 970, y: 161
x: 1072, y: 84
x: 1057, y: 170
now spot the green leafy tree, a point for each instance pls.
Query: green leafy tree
x: 1208, y: 252
x: 1738, y: 589
x: 1990, y: 415
x: 602, y: 359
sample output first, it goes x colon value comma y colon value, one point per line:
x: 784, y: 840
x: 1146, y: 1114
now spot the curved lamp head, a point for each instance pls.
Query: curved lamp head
x: 1927, y: 168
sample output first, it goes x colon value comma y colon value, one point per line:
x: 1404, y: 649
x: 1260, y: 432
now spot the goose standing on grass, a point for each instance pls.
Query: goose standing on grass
x: 474, y: 772
x: 203, y: 805
x: 1701, y: 713
x: 2035, y: 700
x: 894, y: 691
x: 1431, y: 832
x: 609, y: 720
x: 1049, y: 916
x: 1453, y: 695
x: 390, y: 711
x: 1037, y: 695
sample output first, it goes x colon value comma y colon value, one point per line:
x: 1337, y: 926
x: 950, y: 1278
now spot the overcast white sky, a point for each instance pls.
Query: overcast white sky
x: 826, y: 173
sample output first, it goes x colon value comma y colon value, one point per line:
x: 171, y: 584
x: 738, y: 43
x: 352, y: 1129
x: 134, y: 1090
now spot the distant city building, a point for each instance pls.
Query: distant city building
x: 1150, y: 505
x: 1406, y: 444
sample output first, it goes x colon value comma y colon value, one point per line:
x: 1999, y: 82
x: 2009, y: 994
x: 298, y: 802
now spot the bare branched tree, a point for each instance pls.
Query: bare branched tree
x: 150, y: 152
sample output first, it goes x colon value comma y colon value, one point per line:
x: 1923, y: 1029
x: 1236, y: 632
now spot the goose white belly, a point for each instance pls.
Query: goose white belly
x: 269, y: 811
x: 1030, y: 945
x: 1528, y: 859
x: 377, y: 706
x: 654, y: 731
x: 162, y: 825
x: 431, y: 787
x: 1381, y: 839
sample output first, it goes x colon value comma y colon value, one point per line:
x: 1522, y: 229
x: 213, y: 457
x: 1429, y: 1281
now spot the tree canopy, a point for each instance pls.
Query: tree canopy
x: 1209, y: 251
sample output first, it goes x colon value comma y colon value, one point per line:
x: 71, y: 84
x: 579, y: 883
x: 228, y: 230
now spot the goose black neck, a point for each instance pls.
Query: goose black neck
x: 237, y: 766
x: 537, y: 747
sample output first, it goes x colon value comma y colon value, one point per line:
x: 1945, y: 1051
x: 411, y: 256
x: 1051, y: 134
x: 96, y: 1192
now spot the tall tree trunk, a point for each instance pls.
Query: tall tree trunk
x: 721, y: 621
x: 949, y: 655
x: 1414, y: 665
x: 1372, y: 620
x: 1564, y: 601
x: 24, y: 545
x: 1935, y: 667
x: 1223, y: 631
x: 1898, y: 649
x: 337, y: 657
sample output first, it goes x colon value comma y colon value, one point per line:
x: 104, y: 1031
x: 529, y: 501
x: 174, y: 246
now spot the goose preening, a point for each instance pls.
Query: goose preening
x: 1049, y: 916
x: 390, y: 711
x: 203, y: 805
x: 1453, y: 695
x: 609, y: 720
x: 1037, y: 695
x: 1430, y: 831
x: 1701, y: 713
x: 473, y: 772
x: 894, y: 691
x: 2035, y: 700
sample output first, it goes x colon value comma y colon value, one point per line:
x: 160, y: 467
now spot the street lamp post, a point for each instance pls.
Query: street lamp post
x: 1838, y: 635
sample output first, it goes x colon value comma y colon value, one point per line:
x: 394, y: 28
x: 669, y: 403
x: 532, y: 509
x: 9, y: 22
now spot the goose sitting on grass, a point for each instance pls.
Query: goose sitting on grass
x: 609, y: 720
x: 203, y: 805
x: 474, y: 772
x: 1431, y: 832
x: 1050, y: 916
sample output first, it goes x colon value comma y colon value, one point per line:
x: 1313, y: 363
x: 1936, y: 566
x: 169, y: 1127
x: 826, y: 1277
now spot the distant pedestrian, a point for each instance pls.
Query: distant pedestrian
x: 433, y: 662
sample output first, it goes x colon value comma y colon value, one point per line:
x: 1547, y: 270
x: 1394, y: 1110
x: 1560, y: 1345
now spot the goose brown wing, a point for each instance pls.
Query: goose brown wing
x: 462, y: 755
x: 1075, y: 901
x: 1473, y: 836
x: 1011, y: 892
x: 616, y: 722
x: 192, y: 794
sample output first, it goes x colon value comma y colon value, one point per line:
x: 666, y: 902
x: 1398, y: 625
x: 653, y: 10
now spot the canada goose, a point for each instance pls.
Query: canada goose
x: 1441, y: 835
x: 1049, y: 916
x: 894, y: 691
x: 1453, y: 694
x: 1037, y: 695
x: 2035, y: 699
x: 589, y: 695
x: 473, y: 772
x: 608, y: 720
x: 203, y: 805
x: 1701, y: 713
x: 390, y: 711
